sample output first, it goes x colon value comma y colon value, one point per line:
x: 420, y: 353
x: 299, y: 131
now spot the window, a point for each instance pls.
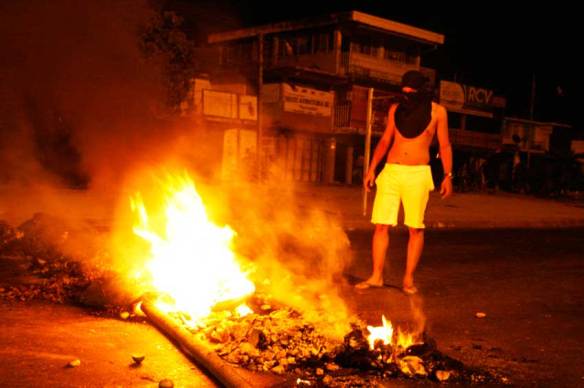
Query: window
x: 395, y: 55
x: 323, y: 42
x: 304, y: 44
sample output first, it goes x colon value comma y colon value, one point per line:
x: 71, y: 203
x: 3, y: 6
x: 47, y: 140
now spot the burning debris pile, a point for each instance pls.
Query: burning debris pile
x: 281, y: 341
x: 191, y: 260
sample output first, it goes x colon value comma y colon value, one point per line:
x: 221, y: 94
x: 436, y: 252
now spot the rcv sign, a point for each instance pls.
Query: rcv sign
x: 477, y: 96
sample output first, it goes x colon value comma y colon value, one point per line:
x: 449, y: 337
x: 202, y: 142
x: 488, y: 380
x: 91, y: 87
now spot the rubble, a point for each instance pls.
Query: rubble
x: 138, y: 358
x: 282, y: 342
x: 442, y: 375
x: 166, y: 383
x: 44, y: 272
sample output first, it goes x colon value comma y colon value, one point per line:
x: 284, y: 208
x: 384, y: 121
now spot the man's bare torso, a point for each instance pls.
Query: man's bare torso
x: 414, y: 151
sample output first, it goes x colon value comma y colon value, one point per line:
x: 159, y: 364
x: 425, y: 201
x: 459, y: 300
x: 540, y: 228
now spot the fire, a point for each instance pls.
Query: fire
x: 242, y: 310
x: 388, y: 336
x: 382, y: 333
x: 190, y: 257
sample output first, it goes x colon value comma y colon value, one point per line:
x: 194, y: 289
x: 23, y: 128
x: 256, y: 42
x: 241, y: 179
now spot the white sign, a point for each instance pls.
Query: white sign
x: 451, y: 95
x: 307, y: 101
x: 220, y: 104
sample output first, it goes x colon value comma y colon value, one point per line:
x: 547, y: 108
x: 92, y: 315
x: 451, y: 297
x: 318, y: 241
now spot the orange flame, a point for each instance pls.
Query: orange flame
x: 190, y: 257
x: 382, y: 333
x: 386, y: 333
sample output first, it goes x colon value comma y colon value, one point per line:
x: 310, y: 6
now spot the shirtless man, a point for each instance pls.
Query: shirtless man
x: 407, y: 177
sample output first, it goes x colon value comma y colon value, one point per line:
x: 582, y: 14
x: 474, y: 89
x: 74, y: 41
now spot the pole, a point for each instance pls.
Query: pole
x: 259, y: 109
x: 367, y: 156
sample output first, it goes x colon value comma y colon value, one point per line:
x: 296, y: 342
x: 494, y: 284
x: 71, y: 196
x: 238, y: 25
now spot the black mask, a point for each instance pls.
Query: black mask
x: 414, y: 111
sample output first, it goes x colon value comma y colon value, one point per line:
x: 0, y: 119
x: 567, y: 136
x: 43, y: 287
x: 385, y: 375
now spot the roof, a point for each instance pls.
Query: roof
x: 384, y: 25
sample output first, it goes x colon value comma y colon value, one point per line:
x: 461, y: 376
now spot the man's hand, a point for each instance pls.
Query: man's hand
x: 446, y: 187
x: 369, y: 180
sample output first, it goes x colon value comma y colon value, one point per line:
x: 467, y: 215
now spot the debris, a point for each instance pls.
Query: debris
x: 442, y: 375
x: 137, y: 310
x: 480, y: 315
x: 166, y: 383
x: 412, y: 365
x: 124, y: 315
x: 138, y: 358
x: 331, y: 366
x: 74, y: 363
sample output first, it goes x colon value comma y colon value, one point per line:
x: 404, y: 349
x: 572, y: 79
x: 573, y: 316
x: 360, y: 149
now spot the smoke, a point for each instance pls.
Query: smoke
x: 300, y: 252
x: 80, y: 106
x: 79, y: 103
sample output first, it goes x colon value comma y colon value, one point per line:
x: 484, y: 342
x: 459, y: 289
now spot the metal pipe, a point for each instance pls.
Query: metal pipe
x: 197, y: 349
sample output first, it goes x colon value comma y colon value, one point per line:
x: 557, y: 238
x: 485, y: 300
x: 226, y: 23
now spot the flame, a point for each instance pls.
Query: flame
x: 382, y: 333
x: 190, y: 257
x: 385, y: 333
x: 242, y: 310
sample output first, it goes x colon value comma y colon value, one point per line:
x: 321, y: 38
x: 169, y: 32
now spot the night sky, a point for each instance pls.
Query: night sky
x: 487, y: 47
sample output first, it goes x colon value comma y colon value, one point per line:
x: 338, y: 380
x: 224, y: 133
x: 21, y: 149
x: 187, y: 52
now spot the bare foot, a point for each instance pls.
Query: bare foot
x: 410, y: 290
x: 372, y: 282
x: 408, y: 286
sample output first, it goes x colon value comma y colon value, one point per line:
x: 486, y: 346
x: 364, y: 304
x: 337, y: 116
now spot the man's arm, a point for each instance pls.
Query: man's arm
x: 445, y: 152
x: 381, y: 149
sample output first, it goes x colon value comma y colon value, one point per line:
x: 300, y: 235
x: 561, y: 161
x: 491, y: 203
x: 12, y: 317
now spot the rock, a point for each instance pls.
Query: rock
x: 331, y: 366
x: 443, y: 375
x: 257, y: 339
x: 74, y: 363
x: 166, y: 383
x: 137, y: 310
x: 319, y: 372
x: 247, y: 348
x: 124, y: 315
x: 278, y: 369
x: 412, y: 365
x: 138, y: 358
x: 480, y: 315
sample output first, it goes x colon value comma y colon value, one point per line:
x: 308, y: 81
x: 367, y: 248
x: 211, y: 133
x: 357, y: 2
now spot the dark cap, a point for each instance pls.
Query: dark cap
x: 414, y: 79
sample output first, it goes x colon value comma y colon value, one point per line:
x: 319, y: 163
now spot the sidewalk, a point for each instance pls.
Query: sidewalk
x: 464, y: 211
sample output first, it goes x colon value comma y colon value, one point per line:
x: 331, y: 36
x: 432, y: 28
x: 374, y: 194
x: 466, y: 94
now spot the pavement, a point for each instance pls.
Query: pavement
x: 515, y: 258
x: 460, y: 211
x: 345, y: 203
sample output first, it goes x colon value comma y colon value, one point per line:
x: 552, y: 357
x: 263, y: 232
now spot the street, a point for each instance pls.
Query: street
x: 527, y: 282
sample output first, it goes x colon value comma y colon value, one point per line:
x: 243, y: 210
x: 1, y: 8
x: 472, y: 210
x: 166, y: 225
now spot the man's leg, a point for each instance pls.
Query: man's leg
x: 380, y: 243
x: 415, y: 247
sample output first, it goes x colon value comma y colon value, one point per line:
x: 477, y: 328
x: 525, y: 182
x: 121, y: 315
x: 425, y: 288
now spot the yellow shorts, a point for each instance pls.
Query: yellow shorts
x: 400, y: 183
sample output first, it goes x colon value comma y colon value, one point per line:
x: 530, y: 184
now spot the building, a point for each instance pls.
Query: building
x: 312, y: 78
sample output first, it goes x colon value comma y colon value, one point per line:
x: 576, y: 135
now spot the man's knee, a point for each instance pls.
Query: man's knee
x: 381, y: 228
x: 416, y: 232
